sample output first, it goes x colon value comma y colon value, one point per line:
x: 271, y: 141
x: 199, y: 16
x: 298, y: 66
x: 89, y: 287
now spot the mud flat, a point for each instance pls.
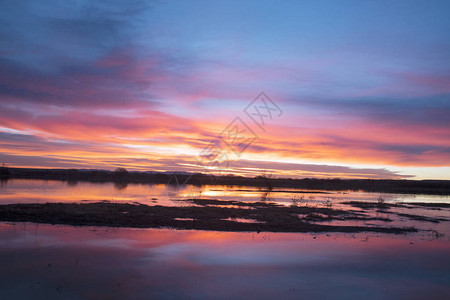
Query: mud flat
x: 203, y: 214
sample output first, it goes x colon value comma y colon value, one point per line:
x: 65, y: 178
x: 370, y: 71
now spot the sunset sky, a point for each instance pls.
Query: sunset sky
x: 361, y: 89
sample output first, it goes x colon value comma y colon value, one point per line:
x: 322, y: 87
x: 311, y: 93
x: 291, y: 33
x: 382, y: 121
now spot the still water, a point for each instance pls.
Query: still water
x: 41, y: 191
x: 63, y: 262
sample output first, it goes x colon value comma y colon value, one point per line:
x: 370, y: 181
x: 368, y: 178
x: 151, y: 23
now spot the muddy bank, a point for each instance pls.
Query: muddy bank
x: 204, y: 214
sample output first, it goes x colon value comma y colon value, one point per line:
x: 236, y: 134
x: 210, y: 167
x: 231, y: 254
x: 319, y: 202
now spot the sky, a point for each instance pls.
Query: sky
x: 323, y: 89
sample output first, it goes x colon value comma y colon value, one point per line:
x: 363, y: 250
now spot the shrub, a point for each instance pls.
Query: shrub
x: 381, y: 203
x: 296, y: 201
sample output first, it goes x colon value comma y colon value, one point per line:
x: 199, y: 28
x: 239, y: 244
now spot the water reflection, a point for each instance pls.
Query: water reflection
x: 265, y: 193
x: 120, y: 185
x: 3, y: 181
x: 27, y: 191
x: 98, y: 263
x: 72, y: 183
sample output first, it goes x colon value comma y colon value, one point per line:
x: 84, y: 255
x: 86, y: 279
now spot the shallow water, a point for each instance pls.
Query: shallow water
x: 41, y: 191
x: 62, y: 262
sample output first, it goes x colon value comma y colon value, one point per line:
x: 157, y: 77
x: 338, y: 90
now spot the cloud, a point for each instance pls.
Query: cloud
x: 81, y: 80
x: 314, y: 170
x: 48, y: 36
x: 117, y: 81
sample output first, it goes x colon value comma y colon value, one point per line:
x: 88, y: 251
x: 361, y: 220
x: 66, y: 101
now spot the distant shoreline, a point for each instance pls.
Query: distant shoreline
x: 428, y: 187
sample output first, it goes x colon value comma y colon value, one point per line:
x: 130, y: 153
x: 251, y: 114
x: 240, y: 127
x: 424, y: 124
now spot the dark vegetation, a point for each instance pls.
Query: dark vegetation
x: 370, y: 205
x: 122, y: 176
x: 201, y: 215
x: 4, y: 171
x: 383, y: 207
x: 421, y: 218
x: 433, y: 205
x: 382, y: 204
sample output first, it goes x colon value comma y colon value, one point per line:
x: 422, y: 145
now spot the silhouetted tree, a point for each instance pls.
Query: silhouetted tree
x: 4, y: 171
x: 121, y: 171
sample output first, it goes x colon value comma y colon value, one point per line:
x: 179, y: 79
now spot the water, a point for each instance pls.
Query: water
x: 41, y: 191
x: 62, y: 262
x: 40, y: 261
